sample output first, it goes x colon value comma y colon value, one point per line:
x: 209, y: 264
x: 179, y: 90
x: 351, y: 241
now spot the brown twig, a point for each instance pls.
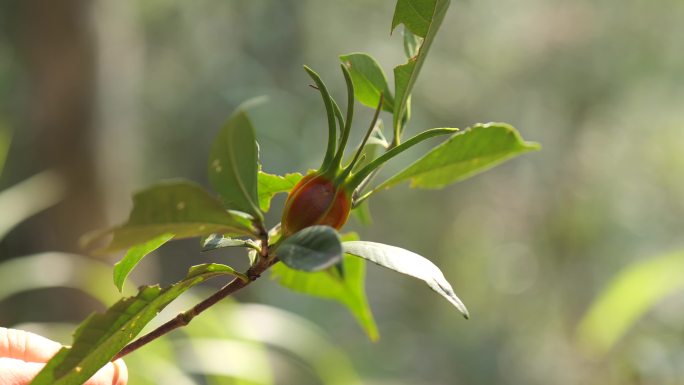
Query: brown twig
x: 265, y: 261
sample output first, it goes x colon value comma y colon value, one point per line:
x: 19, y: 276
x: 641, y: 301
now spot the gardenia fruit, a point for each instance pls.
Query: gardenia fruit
x: 316, y: 200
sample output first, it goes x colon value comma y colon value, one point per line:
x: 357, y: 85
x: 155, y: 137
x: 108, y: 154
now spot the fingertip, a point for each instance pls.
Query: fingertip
x: 120, y: 372
x: 14, y: 371
x: 26, y: 346
x: 114, y: 373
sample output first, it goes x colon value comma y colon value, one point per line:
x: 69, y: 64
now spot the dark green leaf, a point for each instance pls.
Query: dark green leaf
x: 181, y: 208
x: 347, y: 288
x: 101, y: 336
x: 423, y: 18
x: 419, y: 16
x: 314, y: 248
x: 465, y: 154
x: 134, y: 255
x: 270, y: 185
x: 233, y: 165
x: 406, y: 262
x: 369, y: 80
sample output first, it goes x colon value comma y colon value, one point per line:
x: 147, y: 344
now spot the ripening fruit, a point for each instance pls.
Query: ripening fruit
x: 315, y: 200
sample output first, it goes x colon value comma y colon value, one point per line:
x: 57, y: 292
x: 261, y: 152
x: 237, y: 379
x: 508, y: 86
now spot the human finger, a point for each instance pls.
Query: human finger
x: 114, y: 373
x: 26, y: 346
x: 17, y: 372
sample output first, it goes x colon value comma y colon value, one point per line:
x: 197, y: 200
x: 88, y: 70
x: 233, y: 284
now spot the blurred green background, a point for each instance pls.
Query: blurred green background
x: 110, y: 96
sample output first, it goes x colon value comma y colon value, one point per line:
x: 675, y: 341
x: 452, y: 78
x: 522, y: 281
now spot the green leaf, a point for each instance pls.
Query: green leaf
x: 360, y: 176
x: 331, y: 109
x: 406, y: 262
x: 369, y: 80
x: 422, y: 18
x: 218, y: 241
x: 270, y: 185
x: 233, y: 165
x: 134, y: 255
x: 178, y: 207
x: 465, y: 154
x: 101, y: 336
x: 210, y: 270
x: 311, y: 249
x: 347, y: 288
x: 626, y: 298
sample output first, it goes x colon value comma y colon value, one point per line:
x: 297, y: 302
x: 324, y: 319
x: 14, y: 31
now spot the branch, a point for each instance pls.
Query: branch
x: 184, y: 318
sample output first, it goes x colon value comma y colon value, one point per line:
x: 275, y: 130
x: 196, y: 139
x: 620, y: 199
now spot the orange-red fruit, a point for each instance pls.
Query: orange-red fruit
x: 315, y: 200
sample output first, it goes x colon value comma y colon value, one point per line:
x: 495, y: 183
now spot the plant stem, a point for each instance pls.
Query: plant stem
x: 350, y: 167
x: 361, y: 175
x: 184, y: 318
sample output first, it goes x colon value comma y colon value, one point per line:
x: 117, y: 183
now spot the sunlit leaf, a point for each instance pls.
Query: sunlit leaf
x: 233, y: 164
x: 369, y: 80
x: 627, y: 297
x: 218, y: 241
x: 347, y: 288
x: 29, y: 197
x: 290, y: 334
x: 465, y: 154
x: 65, y: 270
x: 270, y: 185
x: 422, y: 18
x: 181, y: 208
x: 406, y: 262
x: 314, y: 248
x: 101, y: 336
x: 134, y: 255
x: 248, y: 364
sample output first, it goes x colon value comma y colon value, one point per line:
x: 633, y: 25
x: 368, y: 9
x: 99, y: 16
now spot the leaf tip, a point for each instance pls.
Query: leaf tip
x: 533, y: 146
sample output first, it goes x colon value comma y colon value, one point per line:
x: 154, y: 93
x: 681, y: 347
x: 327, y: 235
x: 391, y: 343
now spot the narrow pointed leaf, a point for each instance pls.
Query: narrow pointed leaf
x: 233, y: 164
x: 181, y: 208
x: 422, y: 18
x: 134, y: 255
x: 270, y: 185
x: 406, y: 262
x: 101, y: 336
x: 344, y: 283
x: 465, y: 154
x: 369, y: 80
x: 314, y: 248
